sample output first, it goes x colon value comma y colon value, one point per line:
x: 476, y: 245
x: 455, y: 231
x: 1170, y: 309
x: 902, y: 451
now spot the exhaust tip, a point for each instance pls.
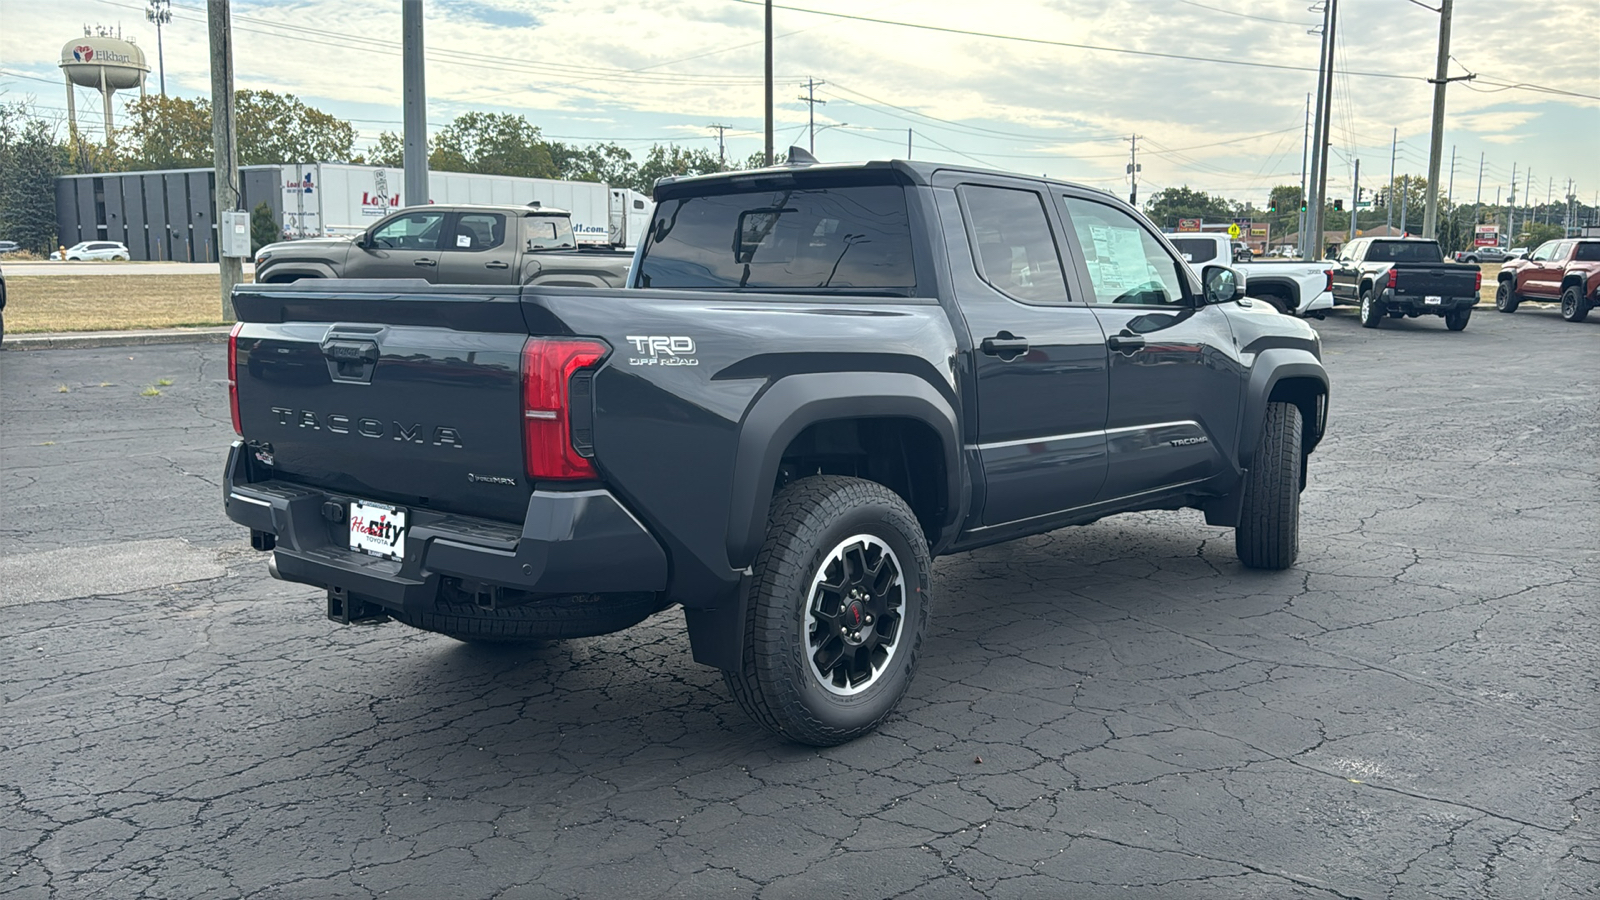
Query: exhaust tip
x: 272, y: 567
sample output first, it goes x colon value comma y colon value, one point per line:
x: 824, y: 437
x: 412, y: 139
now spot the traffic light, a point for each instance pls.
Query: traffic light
x: 1338, y: 204
x: 1272, y: 207
x: 1302, y: 205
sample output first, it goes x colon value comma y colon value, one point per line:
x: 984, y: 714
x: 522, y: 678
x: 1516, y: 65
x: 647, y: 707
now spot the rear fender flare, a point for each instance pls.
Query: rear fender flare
x: 792, y: 404
x: 1289, y: 285
x: 1273, y: 366
x: 292, y: 271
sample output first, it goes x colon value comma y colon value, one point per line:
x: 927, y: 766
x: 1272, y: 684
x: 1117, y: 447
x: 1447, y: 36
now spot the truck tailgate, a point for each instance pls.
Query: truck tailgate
x: 1441, y: 280
x: 389, y: 394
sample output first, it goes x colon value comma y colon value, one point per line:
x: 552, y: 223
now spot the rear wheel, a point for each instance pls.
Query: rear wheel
x: 1371, y: 310
x: 1268, y: 533
x: 1506, y: 299
x: 583, y: 615
x: 1456, y: 319
x: 1574, y: 305
x: 836, y: 612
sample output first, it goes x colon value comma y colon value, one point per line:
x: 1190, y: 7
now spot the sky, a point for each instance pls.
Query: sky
x: 1062, y: 103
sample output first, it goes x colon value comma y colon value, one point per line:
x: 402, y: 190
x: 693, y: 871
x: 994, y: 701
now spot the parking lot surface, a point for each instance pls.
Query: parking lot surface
x: 1118, y: 710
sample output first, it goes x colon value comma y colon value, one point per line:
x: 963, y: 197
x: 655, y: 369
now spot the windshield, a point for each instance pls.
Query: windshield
x: 1196, y: 250
x: 1404, y: 251
x: 1588, y: 251
x: 853, y: 239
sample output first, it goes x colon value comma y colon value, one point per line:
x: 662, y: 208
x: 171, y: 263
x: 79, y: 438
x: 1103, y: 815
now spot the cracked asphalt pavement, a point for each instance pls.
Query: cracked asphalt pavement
x: 1118, y: 710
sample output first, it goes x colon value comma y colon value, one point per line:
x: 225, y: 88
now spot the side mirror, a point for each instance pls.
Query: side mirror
x: 1222, y: 284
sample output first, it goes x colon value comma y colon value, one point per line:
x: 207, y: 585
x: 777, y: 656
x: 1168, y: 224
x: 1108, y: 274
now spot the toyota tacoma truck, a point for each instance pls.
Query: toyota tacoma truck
x: 1566, y: 270
x: 820, y: 378
x: 1400, y: 277
x: 1289, y: 286
x: 453, y: 245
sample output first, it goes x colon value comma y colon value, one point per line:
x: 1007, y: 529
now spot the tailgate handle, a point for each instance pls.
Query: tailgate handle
x: 351, y: 359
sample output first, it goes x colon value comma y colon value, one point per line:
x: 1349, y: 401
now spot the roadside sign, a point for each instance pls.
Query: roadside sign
x: 1233, y: 230
x: 1188, y: 224
x: 1486, y: 236
x: 1258, y: 231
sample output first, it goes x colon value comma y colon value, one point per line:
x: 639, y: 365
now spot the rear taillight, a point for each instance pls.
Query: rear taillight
x: 233, y: 376
x: 1327, y: 274
x: 547, y: 408
x: 1477, y: 280
x: 1394, y: 278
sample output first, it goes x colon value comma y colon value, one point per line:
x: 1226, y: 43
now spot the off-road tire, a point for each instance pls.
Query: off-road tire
x: 583, y: 615
x: 1268, y: 533
x: 1506, y: 299
x: 1371, y: 310
x: 809, y: 521
x: 1276, y: 302
x: 1456, y: 319
x: 1574, y: 305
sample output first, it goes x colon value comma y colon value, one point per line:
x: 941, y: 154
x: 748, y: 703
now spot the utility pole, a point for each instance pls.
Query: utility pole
x: 1405, y: 201
x: 1318, y: 138
x: 1133, y: 170
x: 1549, y: 195
x: 1394, y: 144
x: 1450, y: 191
x: 1327, y: 128
x: 908, y: 143
x: 224, y: 153
x: 1527, y: 197
x: 159, y: 12
x: 811, y: 99
x: 722, y: 150
x: 415, y: 94
x: 769, y: 82
x: 1430, y: 214
x: 1305, y: 150
x: 1477, y: 204
x: 1355, y: 202
x: 1511, y: 208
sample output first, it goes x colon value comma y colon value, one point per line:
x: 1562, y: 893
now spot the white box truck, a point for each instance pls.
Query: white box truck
x: 338, y: 199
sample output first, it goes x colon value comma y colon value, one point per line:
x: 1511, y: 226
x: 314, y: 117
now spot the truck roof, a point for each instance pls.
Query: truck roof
x: 511, y: 208
x: 905, y: 171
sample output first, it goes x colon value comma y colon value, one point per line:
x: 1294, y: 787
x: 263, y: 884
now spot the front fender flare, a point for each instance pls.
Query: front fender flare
x: 792, y: 404
x: 1272, y: 366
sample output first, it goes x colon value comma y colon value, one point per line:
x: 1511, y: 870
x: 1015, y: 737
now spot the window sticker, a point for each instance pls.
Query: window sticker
x: 463, y: 240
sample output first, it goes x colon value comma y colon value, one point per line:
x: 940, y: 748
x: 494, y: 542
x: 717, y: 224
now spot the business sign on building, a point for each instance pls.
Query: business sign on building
x: 1188, y: 224
x: 1486, y: 236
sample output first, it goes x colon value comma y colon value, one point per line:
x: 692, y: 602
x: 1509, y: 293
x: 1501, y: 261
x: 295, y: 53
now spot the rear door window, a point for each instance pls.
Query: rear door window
x: 478, y: 231
x: 1588, y: 252
x: 850, y: 239
x: 1014, y: 248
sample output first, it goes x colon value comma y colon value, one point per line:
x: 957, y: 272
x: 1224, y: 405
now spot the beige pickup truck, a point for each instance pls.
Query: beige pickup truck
x: 453, y: 244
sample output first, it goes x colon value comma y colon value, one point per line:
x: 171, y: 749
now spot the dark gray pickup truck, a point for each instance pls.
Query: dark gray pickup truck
x: 821, y: 378
x: 1400, y: 277
x: 453, y: 245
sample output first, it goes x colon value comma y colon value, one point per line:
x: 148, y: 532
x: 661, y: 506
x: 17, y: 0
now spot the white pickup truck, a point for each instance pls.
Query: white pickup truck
x: 1292, y: 286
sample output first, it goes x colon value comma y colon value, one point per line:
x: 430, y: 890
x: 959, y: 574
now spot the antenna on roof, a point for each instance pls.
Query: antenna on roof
x: 798, y: 156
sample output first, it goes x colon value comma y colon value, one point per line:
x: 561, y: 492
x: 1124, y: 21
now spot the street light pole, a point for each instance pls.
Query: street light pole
x: 159, y: 12
x: 769, y: 82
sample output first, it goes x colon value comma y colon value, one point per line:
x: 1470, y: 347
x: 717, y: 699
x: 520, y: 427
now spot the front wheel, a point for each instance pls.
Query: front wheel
x: 1456, y: 319
x: 1268, y: 533
x: 835, y: 612
x: 1574, y: 305
x: 1506, y: 299
x: 1371, y: 310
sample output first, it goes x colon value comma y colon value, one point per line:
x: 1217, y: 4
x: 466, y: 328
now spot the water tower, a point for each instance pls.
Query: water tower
x: 104, y: 61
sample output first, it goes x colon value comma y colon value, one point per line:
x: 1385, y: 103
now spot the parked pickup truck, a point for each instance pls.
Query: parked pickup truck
x: 453, y: 245
x: 821, y: 378
x: 1567, y: 270
x: 1401, y: 277
x: 1289, y: 286
x: 1481, y: 255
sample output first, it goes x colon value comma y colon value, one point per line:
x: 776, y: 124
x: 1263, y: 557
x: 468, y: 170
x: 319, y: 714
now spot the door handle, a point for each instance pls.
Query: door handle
x: 1005, y: 345
x: 1126, y: 342
x: 497, y: 264
x: 424, y: 261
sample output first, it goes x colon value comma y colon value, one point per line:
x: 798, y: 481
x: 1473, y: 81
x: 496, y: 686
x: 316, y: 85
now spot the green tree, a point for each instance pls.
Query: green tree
x: 1166, y: 207
x: 1533, y: 234
x: 263, y: 230
x: 670, y: 160
x: 605, y: 163
x: 166, y: 133
x: 279, y: 128
x: 492, y: 144
x: 31, y: 158
x: 388, y: 151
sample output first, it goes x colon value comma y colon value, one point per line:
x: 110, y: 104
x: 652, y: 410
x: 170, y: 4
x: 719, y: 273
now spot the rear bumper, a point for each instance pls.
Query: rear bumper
x: 1417, y: 303
x: 580, y: 542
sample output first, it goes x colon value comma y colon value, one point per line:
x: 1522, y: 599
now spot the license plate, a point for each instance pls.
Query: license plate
x: 378, y: 530
x: 1432, y: 300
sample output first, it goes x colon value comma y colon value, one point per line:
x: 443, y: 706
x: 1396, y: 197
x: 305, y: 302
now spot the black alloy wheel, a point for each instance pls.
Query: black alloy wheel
x: 1505, y: 299
x: 1574, y: 305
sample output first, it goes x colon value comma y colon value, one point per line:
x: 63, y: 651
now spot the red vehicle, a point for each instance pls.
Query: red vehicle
x: 1567, y: 270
